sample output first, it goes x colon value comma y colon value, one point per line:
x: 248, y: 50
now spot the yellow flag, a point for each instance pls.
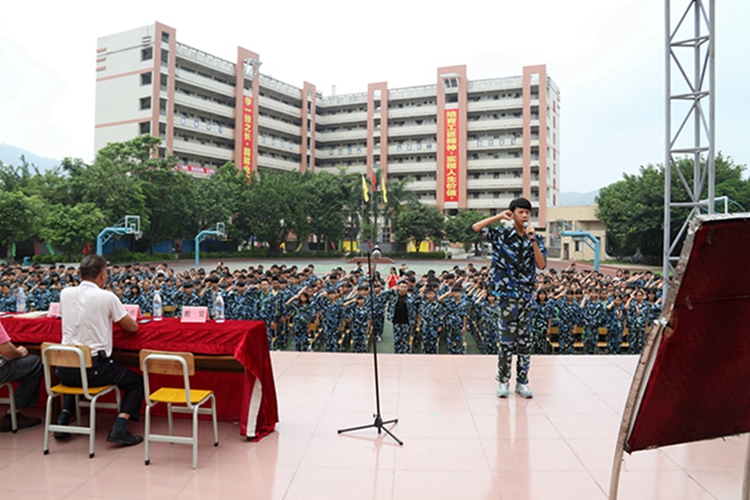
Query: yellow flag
x: 364, y: 189
x: 383, y: 188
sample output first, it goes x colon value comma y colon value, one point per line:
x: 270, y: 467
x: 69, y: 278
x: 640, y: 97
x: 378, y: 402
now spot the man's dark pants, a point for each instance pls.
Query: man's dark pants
x: 28, y: 372
x: 105, y: 372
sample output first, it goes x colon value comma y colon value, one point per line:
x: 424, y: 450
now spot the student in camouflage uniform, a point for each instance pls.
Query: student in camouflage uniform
x: 489, y: 321
x: 38, y: 298
x: 455, y: 310
x: 330, y: 311
x: 430, y: 319
x: 616, y: 324
x: 379, y: 303
x: 568, y: 311
x: 638, y: 314
x: 516, y: 253
x: 360, y: 322
x: 544, y: 310
x: 7, y: 299
x: 302, y: 315
x: 593, y: 314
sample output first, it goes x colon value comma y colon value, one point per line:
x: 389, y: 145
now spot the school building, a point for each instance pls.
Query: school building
x: 578, y: 218
x: 466, y: 144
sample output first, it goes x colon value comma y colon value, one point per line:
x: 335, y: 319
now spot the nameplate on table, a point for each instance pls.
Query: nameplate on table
x: 194, y: 314
x: 133, y: 310
x: 54, y: 310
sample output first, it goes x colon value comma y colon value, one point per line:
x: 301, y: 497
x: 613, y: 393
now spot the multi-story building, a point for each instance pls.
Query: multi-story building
x: 465, y: 144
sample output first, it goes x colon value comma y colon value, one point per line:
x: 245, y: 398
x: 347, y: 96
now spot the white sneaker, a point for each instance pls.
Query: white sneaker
x: 524, y: 391
x: 502, y: 390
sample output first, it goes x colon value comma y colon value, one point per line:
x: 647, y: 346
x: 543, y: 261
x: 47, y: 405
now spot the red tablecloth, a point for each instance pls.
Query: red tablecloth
x: 247, y: 341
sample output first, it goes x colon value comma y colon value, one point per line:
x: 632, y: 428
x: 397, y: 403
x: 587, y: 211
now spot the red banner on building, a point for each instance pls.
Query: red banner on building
x: 247, y: 135
x: 192, y: 169
x: 450, y: 171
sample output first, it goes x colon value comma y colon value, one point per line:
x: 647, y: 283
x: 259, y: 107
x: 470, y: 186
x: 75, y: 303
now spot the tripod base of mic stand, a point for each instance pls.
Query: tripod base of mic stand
x: 378, y: 424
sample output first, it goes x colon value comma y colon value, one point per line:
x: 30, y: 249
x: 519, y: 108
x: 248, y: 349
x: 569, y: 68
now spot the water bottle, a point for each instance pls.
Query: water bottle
x: 219, y: 308
x: 20, y: 300
x: 157, y: 314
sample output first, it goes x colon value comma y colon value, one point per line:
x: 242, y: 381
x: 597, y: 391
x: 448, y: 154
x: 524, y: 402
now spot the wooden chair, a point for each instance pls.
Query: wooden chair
x: 73, y: 356
x: 188, y: 401
x: 11, y: 400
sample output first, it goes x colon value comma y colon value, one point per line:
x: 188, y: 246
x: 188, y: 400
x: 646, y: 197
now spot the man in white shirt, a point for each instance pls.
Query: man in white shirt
x: 88, y: 312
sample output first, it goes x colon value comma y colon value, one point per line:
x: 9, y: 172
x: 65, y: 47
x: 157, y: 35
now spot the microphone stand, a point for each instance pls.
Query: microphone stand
x: 378, y: 423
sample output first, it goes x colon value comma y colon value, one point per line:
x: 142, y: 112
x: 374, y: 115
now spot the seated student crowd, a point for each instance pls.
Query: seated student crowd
x: 331, y: 311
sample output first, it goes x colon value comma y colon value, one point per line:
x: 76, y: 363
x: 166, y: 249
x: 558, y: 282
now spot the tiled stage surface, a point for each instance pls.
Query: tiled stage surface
x: 461, y: 442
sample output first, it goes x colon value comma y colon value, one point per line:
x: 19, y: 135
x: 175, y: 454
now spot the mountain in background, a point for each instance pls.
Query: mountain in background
x: 11, y: 155
x: 570, y: 199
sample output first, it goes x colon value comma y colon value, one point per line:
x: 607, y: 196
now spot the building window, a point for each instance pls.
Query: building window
x: 146, y: 78
x: 147, y: 54
x: 145, y: 103
x: 144, y: 128
x: 165, y: 37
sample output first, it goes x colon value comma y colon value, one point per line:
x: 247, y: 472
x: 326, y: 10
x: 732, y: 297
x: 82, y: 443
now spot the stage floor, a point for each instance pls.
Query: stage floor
x: 460, y: 441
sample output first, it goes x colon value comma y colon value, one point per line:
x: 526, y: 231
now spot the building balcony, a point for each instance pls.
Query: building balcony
x: 341, y: 136
x: 207, y: 60
x: 203, y: 82
x: 196, y: 148
x: 276, y: 144
x: 278, y: 106
x: 340, y: 118
x: 492, y: 125
x: 488, y: 202
x: 507, y: 144
x: 412, y: 111
x: 412, y: 167
x: 412, y: 148
x: 507, y: 182
x: 494, y: 164
x: 280, y: 87
x: 343, y: 153
x: 204, y: 128
x: 499, y: 105
x: 424, y: 185
x: 204, y: 105
x: 276, y: 163
x: 279, y: 126
x: 427, y: 129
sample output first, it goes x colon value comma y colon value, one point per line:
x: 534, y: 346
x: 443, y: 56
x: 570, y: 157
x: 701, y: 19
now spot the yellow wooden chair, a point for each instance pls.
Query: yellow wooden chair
x: 188, y: 401
x: 73, y: 356
x: 11, y: 400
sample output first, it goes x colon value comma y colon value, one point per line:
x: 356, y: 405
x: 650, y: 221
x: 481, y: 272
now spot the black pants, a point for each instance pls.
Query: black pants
x: 103, y: 373
x: 27, y: 371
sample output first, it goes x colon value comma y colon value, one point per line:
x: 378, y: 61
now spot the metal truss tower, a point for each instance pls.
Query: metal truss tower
x: 689, y: 49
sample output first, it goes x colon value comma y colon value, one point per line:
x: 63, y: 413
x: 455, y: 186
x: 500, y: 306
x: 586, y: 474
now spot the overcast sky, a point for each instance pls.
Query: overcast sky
x: 606, y: 56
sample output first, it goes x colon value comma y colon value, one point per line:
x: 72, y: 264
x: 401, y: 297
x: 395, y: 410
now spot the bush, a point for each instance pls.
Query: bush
x: 55, y: 259
x: 264, y: 253
x: 415, y: 255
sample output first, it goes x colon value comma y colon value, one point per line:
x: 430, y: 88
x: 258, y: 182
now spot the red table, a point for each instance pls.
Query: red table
x: 248, y: 396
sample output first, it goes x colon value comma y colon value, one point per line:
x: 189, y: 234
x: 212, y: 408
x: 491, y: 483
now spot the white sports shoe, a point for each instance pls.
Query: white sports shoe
x: 502, y: 390
x: 524, y: 391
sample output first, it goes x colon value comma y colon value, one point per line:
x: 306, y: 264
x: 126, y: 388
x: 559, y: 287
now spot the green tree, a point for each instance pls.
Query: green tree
x: 68, y: 228
x: 458, y: 229
x: 419, y: 222
x: 399, y: 195
x: 326, y: 193
x: 278, y: 206
x: 222, y: 197
x: 632, y: 209
x: 19, y: 218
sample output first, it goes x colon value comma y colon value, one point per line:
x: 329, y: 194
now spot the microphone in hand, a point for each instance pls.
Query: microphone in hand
x: 529, y: 231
